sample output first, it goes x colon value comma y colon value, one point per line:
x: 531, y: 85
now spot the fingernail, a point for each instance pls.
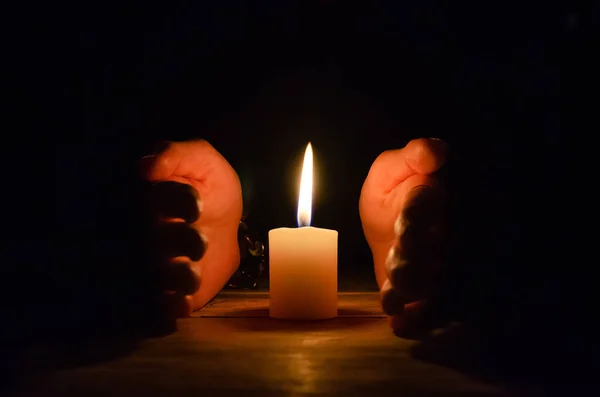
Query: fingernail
x: 183, y: 306
x: 410, y: 325
x: 200, y: 248
x: 200, y: 205
x: 392, y: 259
x: 418, y: 187
x: 399, y: 226
x: 204, y: 238
x: 196, y: 271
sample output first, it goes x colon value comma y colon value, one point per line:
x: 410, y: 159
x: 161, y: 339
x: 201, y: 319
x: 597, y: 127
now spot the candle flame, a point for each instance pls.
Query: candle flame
x: 305, y: 197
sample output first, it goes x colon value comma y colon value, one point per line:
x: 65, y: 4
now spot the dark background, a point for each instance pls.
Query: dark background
x: 261, y: 79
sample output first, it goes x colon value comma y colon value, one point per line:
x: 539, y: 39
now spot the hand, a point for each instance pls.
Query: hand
x: 196, y: 205
x: 401, y: 210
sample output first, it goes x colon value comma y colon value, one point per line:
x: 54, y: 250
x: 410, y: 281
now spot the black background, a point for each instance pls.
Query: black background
x: 259, y: 80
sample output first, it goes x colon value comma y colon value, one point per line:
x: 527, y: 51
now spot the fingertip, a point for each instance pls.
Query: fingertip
x: 188, y: 306
x: 171, y: 199
x: 391, y: 300
x: 201, y: 249
x: 183, y: 306
x: 426, y: 156
x: 197, y: 279
x: 392, y: 262
x: 181, y: 277
x: 409, y: 324
x: 163, y: 166
x: 144, y: 165
x: 395, y: 322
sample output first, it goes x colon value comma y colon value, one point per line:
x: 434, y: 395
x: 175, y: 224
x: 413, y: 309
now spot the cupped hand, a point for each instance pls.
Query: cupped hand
x: 401, y: 210
x: 195, y: 202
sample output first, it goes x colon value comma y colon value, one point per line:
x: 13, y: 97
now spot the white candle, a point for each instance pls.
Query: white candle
x: 303, y: 262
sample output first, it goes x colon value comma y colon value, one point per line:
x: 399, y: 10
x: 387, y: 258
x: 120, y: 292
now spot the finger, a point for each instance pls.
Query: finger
x: 178, y: 306
x: 189, y: 159
x: 146, y: 162
x: 420, y: 156
x: 392, y: 301
x: 185, y: 307
x: 413, y: 262
x: 174, y: 239
x: 180, y: 277
x: 407, y: 278
x: 168, y: 199
x: 420, y: 224
x: 412, y: 322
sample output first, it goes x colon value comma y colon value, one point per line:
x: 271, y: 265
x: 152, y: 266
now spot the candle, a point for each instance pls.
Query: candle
x: 303, y: 262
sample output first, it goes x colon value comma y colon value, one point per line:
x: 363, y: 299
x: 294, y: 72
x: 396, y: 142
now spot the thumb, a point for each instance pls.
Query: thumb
x: 420, y: 156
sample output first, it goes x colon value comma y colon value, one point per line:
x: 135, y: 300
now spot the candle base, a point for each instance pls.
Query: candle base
x: 303, y: 306
x: 302, y: 317
x: 303, y: 273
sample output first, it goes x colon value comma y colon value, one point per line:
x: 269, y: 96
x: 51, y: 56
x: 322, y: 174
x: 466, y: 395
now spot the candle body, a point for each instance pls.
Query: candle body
x: 303, y: 273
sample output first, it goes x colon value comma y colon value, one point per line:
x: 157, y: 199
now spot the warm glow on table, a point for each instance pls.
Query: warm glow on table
x: 303, y: 262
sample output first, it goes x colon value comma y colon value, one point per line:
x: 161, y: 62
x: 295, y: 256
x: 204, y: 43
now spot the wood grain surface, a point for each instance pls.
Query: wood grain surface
x: 232, y: 348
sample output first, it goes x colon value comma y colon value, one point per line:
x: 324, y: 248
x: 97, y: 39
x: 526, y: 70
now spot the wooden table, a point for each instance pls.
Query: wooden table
x: 232, y: 348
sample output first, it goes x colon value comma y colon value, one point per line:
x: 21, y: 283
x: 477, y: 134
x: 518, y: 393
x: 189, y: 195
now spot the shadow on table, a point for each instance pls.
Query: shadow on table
x: 533, y: 362
x: 36, y: 352
x: 348, y: 318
